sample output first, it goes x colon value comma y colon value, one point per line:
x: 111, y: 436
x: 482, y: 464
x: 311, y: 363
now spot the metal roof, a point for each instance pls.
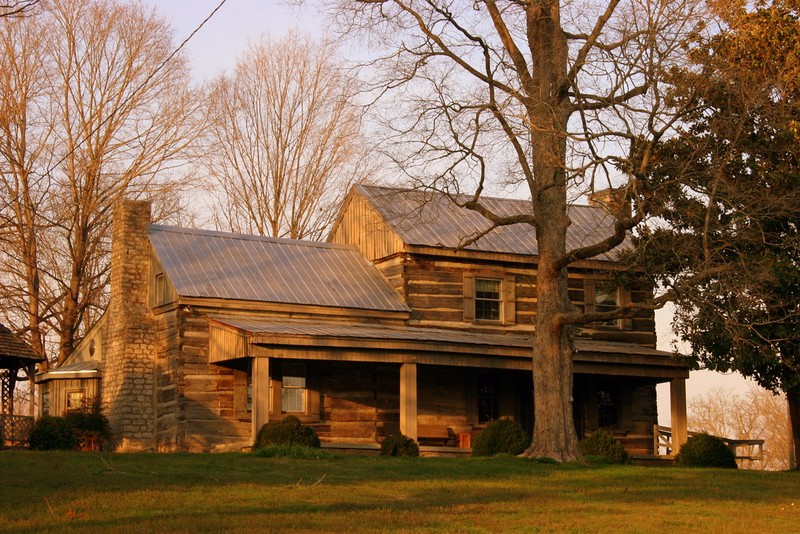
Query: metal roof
x: 259, y: 327
x: 201, y: 263
x: 431, y: 219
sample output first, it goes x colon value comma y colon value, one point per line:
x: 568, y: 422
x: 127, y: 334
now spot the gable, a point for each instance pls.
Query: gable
x: 221, y: 265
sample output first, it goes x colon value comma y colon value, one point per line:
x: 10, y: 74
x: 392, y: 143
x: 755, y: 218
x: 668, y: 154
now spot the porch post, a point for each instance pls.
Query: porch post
x: 677, y: 399
x: 260, y: 401
x: 408, y: 400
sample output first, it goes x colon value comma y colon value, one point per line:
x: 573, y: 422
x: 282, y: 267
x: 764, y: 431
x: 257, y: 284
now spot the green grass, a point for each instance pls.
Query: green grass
x: 86, y: 492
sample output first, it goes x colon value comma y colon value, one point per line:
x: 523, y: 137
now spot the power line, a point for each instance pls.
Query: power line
x: 138, y: 89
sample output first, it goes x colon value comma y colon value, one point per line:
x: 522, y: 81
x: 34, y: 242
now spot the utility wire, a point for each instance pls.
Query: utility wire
x: 138, y: 89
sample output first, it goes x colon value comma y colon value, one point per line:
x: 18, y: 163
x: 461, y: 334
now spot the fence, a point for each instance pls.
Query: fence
x: 15, y: 431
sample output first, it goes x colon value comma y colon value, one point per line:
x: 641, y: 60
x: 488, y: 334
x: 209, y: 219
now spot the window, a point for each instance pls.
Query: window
x: 487, y: 299
x: 293, y: 388
x: 488, y: 402
x: 605, y: 300
x: 490, y: 299
x: 75, y: 400
x: 46, y: 400
x: 607, y: 408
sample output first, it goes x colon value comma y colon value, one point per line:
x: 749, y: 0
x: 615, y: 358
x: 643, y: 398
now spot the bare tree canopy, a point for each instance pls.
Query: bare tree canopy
x: 283, y: 138
x: 88, y: 117
x: 16, y: 8
x: 558, y: 98
x: 754, y: 414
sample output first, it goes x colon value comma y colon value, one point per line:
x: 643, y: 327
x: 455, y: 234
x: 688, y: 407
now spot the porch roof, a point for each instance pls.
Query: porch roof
x: 85, y: 369
x: 455, y: 347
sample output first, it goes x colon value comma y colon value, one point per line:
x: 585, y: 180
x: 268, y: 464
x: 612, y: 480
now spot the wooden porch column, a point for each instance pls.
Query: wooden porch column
x: 260, y: 401
x: 677, y: 399
x: 408, y: 400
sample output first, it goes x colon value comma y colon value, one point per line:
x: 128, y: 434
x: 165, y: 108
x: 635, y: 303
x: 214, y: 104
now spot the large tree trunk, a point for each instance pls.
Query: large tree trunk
x: 554, y: 429
x: 793, y: 398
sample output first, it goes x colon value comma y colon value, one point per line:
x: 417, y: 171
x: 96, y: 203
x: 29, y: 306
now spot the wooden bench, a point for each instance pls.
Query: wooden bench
x: 435, y: 434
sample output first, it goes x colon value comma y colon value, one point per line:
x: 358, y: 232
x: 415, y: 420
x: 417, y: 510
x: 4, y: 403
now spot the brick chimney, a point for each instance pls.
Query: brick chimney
x: 129, y: 355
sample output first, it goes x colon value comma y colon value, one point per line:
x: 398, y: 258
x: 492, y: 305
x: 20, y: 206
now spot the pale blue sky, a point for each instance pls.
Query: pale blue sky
x: 223, y: 38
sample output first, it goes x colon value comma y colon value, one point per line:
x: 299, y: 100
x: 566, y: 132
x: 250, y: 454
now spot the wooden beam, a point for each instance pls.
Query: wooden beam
x: 408, y: 400
x: 260, y: 401
x: 677, y: 399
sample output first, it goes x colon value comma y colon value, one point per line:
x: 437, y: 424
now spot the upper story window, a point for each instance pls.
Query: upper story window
x: 605, y: 300
x: 601, y: 296
x: 487, y: 299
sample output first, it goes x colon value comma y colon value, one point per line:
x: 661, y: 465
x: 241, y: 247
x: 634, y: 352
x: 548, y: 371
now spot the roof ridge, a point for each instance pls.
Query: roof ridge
x: 247, y: 237
x: 484, y: 197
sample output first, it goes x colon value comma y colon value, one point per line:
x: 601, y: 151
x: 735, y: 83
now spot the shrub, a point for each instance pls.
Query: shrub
x: 705, y: 451
x: 399, y: 445
x: 53, y: 433
x: 90, y: 425
x: 287, y: 431
x: 500, y: 437
x: 603, y: 448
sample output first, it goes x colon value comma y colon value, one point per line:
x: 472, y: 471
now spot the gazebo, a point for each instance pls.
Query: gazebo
x: 15, y: 355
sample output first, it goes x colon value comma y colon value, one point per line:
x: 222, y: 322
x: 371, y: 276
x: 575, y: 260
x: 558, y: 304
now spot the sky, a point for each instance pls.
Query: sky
x: 225, y: 36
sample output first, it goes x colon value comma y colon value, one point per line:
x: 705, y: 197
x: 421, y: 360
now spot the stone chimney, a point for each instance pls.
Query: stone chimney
x: 129, y: 355
x: 613, y: 200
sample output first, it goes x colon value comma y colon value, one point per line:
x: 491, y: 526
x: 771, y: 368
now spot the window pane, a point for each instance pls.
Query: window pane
x: 487, y: 299
x: 74, y: 400
x: 487, y: 289
x: 605, y: 300
x: 293, y: 400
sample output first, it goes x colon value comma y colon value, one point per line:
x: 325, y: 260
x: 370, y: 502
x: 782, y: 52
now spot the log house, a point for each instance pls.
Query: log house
x: 402, y: 322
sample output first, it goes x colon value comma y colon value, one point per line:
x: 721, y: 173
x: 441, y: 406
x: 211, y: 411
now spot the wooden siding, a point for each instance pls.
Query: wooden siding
x: 361, y: 226
x: 59, y: 389
x: 194, y: 399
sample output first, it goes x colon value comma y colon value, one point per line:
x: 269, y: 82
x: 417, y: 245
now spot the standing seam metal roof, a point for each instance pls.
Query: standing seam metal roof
x: 431, y: 219
x: 202, y: 263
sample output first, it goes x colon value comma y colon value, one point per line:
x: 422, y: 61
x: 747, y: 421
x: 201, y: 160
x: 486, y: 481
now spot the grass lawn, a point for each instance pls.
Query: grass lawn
x: 85, y: 492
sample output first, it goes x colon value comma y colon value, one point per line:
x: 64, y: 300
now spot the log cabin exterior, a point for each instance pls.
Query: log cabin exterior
x: 397, y: 324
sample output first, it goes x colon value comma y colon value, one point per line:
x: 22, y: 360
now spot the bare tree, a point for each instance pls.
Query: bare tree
x: 100, y: 119
x: 16, y: 8
x: 556, y: 97
x: 756, y: 414
x: 284, y: 138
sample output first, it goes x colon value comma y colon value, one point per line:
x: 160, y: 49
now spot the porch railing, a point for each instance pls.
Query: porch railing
x: 15, y: 430
x: 743, y: 449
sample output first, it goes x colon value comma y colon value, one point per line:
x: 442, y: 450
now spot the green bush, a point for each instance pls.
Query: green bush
x: 53, y: 433
x: 90, y: 425
x: 501, y: 437
x: 287, y: 431
x: 601, y: 447
x: 399, y: 445
x: 705, y: 451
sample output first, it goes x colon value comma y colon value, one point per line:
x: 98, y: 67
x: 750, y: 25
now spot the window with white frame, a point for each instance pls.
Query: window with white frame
x: 605, y: 300
x: 293, y: 388
x: 487, y: 299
